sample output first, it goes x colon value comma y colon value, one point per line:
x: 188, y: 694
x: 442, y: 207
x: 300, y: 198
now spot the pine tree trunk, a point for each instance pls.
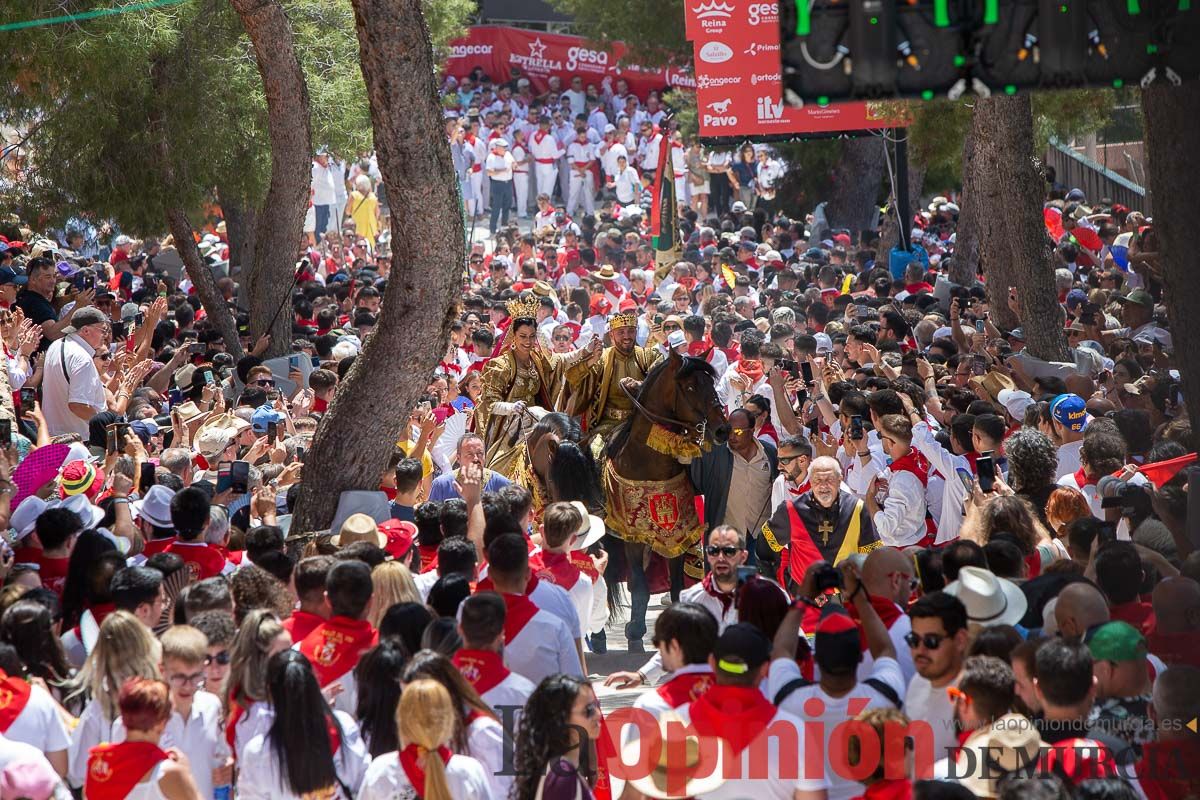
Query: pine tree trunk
x: 369, y: 411
x: 240, y: 218
x: 1171, y: 114
x: 1006, y: 189
x: 198, y: 272
x: 856, y: 180
x: 964, y: 266
x: 280, y: 220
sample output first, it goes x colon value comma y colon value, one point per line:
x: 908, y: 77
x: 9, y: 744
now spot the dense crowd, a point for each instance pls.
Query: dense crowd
x: 935, y: 565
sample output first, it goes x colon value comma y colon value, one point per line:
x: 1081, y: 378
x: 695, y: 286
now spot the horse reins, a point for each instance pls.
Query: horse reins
x: 700, y: 428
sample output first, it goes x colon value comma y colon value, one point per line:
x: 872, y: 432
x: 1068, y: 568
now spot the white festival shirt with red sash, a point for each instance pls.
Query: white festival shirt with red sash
x: 14, y: 696
x: 915, y: 464
x: 536, y: 642
x: 115, y: 769
x: 563, y: 570
x: 334, y: 649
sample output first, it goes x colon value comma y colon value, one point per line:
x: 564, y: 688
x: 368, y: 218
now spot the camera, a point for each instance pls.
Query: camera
x: 827, y: 578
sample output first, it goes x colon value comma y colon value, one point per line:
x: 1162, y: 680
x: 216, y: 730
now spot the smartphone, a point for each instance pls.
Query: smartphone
x: 145, y: 478
x: 745, y: 573
x: 28, y: 398
x: 789, y: 366
x: 208, y: 376
x: 806, y: 371
x: 294, y: 362
x: 856, y: 427
x: 5, y: 433
x: 273, y: 395
x: 197, y: 348
x: 175, y: 396
x: 979, y: 326
x: 110, y: 439
x: 462, y: 403
x: 986, y: 468
x: 223, y: 476
x: 119, y: 331
x: 122, y: 433
x: 272, y: 432
x: 658, y: 319
x: 978, y: 365
x: 239, y: 477
x: 814, y: 426
x: 140, y: 318
x: 299, y: 453
x: 316, y: 362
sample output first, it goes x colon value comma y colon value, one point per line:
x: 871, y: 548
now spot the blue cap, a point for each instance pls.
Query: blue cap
x: 144, y: 429
x: 10, y: 275
x: 1076, y: 297
x: 263, y: 416
x: 1070, y: 410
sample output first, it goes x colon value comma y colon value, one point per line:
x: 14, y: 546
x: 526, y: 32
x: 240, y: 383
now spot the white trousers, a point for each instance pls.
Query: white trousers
x: 547, y: 174
x: 521, y: 185
x: 581, y: 190
x: 478, y: 187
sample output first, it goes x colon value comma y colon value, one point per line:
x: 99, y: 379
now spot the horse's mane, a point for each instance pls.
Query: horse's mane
x: 691, y: 365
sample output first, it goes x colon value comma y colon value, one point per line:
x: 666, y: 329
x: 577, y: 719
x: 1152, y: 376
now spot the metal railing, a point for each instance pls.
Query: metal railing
x: 1076, y: 171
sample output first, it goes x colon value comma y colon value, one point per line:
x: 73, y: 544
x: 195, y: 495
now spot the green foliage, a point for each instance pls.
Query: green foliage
x: 85, y: 93
x: 683, y: 103
x: 651, y: 29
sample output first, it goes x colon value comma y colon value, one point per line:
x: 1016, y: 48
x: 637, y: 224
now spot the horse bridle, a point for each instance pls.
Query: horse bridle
x: 700, y: 429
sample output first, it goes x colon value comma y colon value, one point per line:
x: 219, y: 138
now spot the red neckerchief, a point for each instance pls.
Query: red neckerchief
x: 539, y: 135
x: 115, y: 769
x: 390, y: 491
x: 888, y: 611
x: 449, y: 366
x: 750, y: 368
x: 583, y: 562
x: 429, y: 557
x: 413, y: 770
x: 14, y: 695
x: 737, y: 714
x: 686, y: 688
x: 155, y: 546
x: 1167, y: 769
x: 1082, y: 480
x: 236, y: 712
x: 710, y: 586
x: 899, y: 789
x: 912, y: 462
x: 100, y: 612
x: 798, y: 490
x: 301, y: 623
x: 335, y: 646
x: 558, y: 569
x: 202, y: 560
x: 520, y: 609
x: 483, y: 669
x: 320, y: 404
x: 732, y: 354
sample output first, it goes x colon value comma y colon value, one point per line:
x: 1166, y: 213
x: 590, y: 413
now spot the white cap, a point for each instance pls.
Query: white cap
x: 25, y: 516
x: 1016, y: 401
x: 609, y: 128
x: 499, y: 141
x: 824, y: 343
x: 676, y: 339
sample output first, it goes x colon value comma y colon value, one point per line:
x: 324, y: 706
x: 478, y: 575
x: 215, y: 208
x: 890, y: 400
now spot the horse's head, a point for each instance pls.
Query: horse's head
x: 687, y: 391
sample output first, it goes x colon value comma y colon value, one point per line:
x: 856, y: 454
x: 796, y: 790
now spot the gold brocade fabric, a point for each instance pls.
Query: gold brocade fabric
x: 524, y: 475
x: 596, y: 387
x: 506, y: 381
x: 661, y: 514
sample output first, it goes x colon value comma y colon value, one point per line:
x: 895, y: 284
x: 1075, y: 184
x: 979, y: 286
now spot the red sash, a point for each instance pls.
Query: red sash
x: 737, y: 714
x: 583, y: 562
x: 114, y: 769
x: 558, y: 569
x: 916, y: 464
x: 334, y: 646
x: 1082, y: 480
x: 429, y: 558
x: 519, y: 610
x: 801, y: 549
x: 14, y: 696
x: 686, y: 688
x: 155, y: 546
x: 888, y: 611
x: 413, y: 770
x: 483, y: 669
x: 725, y: 598
x: 202, y: 560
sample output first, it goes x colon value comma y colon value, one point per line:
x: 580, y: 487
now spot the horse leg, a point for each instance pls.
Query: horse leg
x: 639, y: 593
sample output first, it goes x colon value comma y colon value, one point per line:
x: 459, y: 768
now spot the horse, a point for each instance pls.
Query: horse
x: 676, y: 413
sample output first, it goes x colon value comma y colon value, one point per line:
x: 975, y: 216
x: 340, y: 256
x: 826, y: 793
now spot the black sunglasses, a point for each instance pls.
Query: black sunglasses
x: 729, y: 551
x: 931, y: 641
x: 221, y: 658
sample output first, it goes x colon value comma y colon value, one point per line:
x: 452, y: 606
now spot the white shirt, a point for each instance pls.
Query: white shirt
x: 485, y: 743
x: 39, y: 724
x: 900, y: 628
x: 784, y: 670
x: 580, y: 153
x: 555, y: 600
x: 514, y: 690
x: 501, y: 164
x: 578, y: 101
x: 255, y: 721
x: 259, y: 775
x: 1068, y: 454
x: 929, y: 703
x: 201, y: 738
x: 627, y: 185
x: 324, y: 186
x: 386, y: 780
x: 83, y: 387
x: 609, y: 153
x: 425, y: 582
x: 774, y: 784
x: 13, y: 753
x: 92, y: 729
x: 900, y: 521
x: 543, y: 647
x: 952, y: 481
x: 547, y: 148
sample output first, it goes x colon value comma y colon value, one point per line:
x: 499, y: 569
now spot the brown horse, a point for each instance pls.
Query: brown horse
x: 676, y: 410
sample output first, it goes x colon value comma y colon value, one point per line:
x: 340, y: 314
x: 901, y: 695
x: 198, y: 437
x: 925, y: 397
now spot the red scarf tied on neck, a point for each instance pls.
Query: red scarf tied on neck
x: 737, y: 714
x: 710, y: 586
x: 409, y: 757
x: 750, y: 368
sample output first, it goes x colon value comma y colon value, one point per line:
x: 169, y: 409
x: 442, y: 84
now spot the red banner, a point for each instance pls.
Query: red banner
x: 539, y: 55
x: 738, y: 69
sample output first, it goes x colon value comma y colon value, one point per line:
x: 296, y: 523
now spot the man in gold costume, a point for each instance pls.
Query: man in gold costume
x: 518, y: 387
x: 595, y: 383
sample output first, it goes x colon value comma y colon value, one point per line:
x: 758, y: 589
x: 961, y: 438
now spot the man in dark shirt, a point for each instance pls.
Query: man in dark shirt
x: 408, y: 481
x: 37, y: 296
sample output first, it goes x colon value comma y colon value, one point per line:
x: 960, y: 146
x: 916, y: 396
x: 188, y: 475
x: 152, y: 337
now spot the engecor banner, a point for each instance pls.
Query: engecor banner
x: 739, y: 88
x: 539, y: 55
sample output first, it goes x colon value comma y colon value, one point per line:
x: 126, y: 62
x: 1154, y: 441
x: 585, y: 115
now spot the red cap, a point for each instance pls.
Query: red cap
x: 600, y: 305
x: 400, y: 537
x: 836, y: 623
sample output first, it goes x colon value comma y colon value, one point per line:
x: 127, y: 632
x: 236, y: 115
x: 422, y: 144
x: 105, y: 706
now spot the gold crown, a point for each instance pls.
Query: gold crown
x: 523, y: 307
x: 623, y: 320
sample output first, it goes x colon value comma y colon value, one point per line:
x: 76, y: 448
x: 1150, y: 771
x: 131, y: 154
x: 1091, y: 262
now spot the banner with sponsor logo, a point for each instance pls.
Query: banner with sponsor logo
x: 540, y: 55
x: 739, y: 91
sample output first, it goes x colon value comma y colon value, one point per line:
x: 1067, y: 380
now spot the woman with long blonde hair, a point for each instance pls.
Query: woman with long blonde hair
x: 426, y: 719
x: 260, y: 636
x: 393, y: 584
x: 124, y: 649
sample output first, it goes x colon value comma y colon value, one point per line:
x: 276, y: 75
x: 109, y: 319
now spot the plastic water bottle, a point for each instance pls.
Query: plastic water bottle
x: 223, y: 792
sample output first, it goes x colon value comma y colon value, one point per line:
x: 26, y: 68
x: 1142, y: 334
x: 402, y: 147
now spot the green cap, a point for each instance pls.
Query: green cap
x: 1139, y: 297
x: 1117, y: 641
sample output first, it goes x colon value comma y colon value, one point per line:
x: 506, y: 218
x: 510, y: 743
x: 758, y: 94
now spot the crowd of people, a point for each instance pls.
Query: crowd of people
x: 910, y: 522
